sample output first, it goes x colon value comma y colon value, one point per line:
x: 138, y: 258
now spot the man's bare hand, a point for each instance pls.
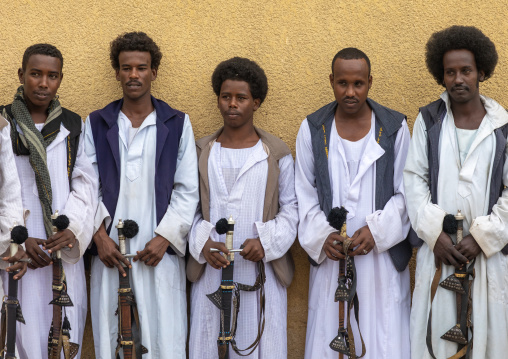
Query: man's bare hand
x: 215, y: 259
x: 334, y: 252
x: 39, y: 258
x: 108, y: 251
x: 253, y: 250
x: 468, y: 247
x: 153, y: 252
x: 59, y: 240
x: 19, y: 266
x: 363, y: 241
x: 447, y: 253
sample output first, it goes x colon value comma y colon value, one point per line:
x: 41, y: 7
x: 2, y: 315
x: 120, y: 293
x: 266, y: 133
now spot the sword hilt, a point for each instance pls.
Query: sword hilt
x: 460, y: 228
x: 229, y: 239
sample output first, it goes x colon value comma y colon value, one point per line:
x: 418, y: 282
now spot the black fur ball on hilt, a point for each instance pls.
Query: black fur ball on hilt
x: 450, y: 224
x: 19, y: 234
x: 130, y: 228
x: 337, y: 217
x: 61, y: 222
x: 221, y: 227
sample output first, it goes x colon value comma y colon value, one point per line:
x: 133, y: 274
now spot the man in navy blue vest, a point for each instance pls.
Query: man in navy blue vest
x: 456, y: 161
x: 144, y: 153
x: 351, y: 153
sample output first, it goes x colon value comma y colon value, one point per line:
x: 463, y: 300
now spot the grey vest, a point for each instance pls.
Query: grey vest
x: 388, y: 123
x: 433, y: 115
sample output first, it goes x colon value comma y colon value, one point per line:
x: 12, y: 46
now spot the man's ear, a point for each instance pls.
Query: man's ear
x: 21, y: 76
x: 257, y: 103
x: 117, y: 72
x: 154, y: 74
x: 370, y: 81
x: 481, y: 76
x: 331, y: 80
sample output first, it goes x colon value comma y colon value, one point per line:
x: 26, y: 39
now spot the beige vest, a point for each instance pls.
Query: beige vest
x: 275, y: 148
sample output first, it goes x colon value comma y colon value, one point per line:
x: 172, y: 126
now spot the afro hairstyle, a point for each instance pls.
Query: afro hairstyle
x: 134, y: 41
x: 41, y: 49
x: 351, y: 53
x: 241, y: 69
x: 460, y: 38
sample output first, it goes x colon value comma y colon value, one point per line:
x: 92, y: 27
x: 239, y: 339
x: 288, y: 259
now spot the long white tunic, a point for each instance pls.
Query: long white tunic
x: 462, y: 185
x: 79, y: 204
x: 11, y: 207
x: 237, y: 179
x: 160, y: 290
x: 383, y: 292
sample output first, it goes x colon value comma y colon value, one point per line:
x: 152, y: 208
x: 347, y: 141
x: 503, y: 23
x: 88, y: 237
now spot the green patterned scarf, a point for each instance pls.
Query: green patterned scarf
x: 33, y: 143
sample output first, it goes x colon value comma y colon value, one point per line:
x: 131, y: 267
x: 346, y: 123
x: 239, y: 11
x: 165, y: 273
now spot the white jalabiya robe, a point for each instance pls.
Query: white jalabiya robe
x: 79, y: 204
x: 160, y: 290
x: 237, y: 180
x: 383, y: 292
x: 11, y: 206
x: 462, y: 185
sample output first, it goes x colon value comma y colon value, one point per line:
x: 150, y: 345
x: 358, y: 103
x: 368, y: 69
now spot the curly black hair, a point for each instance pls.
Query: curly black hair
x: 41, y: 49
x: 460, y: 38
x: 351, y: 53
x: 134, y: 41
x: 241, y: 69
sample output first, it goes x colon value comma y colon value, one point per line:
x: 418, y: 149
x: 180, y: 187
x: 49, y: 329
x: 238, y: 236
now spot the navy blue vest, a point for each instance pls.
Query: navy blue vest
x: 388, y: 123
x: 106, y: 139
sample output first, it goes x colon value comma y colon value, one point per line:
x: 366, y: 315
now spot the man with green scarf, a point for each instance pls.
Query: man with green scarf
x: 55, y: 175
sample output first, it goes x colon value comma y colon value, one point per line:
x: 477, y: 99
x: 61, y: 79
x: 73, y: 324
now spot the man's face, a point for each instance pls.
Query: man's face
x: 461, y: 77
x: 41, y: 79
x: 236, y: 104
x: 135, y: 74
x: 351, y: 82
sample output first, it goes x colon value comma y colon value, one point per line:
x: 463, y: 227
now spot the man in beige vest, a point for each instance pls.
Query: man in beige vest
x: 240, y: 165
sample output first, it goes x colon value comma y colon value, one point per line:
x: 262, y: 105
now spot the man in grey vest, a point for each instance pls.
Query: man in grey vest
x: 351, y: 153
x: 456, y: 161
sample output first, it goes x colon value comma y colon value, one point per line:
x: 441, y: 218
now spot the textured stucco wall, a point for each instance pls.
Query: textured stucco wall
x: 294, y: 41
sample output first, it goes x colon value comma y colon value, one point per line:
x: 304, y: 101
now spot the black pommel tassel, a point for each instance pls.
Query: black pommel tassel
x: 130, y: 228
x: 450, y: 224
x: 19, y: 234
x: 222, y: 226
x: 61, y: 222
x: 337, y: 217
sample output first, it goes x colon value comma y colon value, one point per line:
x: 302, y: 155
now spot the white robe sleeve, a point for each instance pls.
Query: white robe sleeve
x: 490, y: 232
x: 11, y: 206
x: 81, y: 204
x: 426, y: 217
x: 390, y: 226
x: 278, y: 234
x: 177, y: 221
x: 198, y: 235
x: 313, y: 228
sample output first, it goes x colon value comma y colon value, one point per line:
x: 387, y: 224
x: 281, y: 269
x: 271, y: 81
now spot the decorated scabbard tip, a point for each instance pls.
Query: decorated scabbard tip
x: 19, y: 234
x: 61, y: 222
x: 221, y: 227
x: 337, y: 217
x: 450, y: 224
x: 130, y: 228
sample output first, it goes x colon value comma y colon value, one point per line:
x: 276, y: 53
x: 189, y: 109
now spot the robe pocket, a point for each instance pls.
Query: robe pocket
x: 133, y: 169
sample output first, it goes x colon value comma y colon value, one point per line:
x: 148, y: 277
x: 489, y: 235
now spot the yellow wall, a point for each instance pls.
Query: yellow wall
x: 294, y: 41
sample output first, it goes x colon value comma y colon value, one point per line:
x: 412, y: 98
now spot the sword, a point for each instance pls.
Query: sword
x: 59, y: 333
x: 229, y: 291
x: 126, y: 302
x: 11, y: 310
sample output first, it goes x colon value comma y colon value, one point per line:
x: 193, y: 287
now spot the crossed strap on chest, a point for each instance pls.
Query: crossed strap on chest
x: 344, y: 342
x: 221, y: 298
x: 460, y: 282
